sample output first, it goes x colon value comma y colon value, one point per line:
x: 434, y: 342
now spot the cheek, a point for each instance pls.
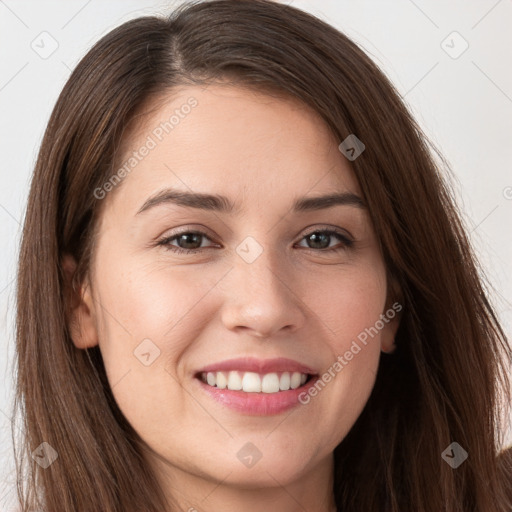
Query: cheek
x: 351, y: 311
x: 150, y: 316
x: 143, y: 302
x: 350, y: 303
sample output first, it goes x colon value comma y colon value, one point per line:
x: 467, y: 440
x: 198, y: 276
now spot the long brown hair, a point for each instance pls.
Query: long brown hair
x: 445, y: 382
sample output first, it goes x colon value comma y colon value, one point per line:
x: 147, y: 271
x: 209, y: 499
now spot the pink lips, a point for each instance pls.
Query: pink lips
x: 257, y: 404
x: 251, y: 364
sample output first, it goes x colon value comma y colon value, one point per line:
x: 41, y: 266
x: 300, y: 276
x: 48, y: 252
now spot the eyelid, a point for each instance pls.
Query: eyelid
x: 200, y: 230
x: 326, y: 227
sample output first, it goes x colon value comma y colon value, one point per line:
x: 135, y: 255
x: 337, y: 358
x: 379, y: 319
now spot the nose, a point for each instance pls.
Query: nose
x: 260, y: 297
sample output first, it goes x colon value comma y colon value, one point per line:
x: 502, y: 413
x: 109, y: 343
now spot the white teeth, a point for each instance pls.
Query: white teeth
x: 210, y: 378
x: 234, y: 381
x: 221, y: 380
x: 270, y: 383
x: 295, y: 380
x: 284, y: 381
x: 252, y: 382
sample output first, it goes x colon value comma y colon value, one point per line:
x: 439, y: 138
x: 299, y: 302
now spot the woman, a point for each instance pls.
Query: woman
x: 243, y: 283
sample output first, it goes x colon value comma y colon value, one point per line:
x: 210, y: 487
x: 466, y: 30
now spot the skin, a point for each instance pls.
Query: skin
x: 295, y: 300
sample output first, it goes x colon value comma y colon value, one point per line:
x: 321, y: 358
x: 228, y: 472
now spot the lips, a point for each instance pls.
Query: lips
x: 261, y: 366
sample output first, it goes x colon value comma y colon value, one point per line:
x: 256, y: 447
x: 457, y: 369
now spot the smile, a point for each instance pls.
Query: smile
x: 254, y: 386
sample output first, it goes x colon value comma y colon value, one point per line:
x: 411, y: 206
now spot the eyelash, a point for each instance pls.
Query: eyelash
x: 347, y: 243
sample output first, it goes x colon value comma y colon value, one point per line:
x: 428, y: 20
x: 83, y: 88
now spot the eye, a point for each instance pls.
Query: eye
x: 190, y: 242
x: 320, y: 240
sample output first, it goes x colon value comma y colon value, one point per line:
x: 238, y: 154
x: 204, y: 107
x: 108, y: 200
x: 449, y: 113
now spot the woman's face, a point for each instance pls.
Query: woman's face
x: 266, y: 281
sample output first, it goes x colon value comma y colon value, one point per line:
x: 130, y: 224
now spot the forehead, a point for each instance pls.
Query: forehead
x: 232, y: 140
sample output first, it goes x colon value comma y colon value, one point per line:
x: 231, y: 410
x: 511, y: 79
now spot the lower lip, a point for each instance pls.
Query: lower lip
x: 257, y: 404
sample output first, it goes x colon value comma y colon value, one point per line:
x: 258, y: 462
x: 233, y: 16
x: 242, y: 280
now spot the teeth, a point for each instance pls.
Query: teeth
x: 295, y: 380
x: 252, y: 382
x: 221, y: 381
x: 270, y: 383
x: 234, y: 381
x: 284, y: 381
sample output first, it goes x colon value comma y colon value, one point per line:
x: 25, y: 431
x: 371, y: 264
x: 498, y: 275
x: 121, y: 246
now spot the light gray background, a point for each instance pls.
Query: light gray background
x: 464, y: 104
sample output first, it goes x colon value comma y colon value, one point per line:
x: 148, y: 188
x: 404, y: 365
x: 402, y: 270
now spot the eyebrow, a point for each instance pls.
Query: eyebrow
x: 220, y: 203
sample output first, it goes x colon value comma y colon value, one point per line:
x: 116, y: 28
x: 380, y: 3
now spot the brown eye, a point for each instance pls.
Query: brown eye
x: 321, y: 240
x: 187, y: 242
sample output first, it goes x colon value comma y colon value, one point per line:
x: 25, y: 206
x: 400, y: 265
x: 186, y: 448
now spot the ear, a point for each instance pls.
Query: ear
x: 392, y: 316
x: 387, y: 339
x: 79, y: 307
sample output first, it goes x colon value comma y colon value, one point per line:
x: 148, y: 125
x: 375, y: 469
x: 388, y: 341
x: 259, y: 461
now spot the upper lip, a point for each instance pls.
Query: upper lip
x: 252, y: 364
